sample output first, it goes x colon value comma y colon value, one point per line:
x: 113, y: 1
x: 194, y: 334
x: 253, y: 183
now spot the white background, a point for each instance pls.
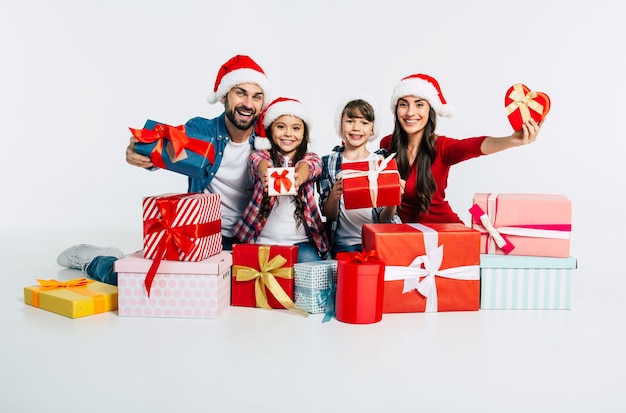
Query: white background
x: 76, y: 74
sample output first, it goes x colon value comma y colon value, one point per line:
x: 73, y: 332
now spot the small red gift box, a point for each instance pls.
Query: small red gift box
x: 523, y: 224
x: 522, y: 104
x: 371, y: 184
x: 360, y: 283
x: 281, y: 181
x: 180, y: 227
x: 263, y: 276
x: 428, y: 268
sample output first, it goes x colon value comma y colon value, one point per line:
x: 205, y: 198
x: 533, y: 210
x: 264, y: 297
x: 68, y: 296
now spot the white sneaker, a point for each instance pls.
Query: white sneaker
x: 79, y: 256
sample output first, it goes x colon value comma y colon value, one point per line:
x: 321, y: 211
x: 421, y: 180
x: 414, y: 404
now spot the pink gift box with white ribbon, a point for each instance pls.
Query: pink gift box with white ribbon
x: 523, y: 224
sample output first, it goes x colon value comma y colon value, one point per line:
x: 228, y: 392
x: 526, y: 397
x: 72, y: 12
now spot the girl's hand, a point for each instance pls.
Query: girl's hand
x: 297, y: 181
x: 301, y: 174
x: 136, y: 159
x: 528, y: 133
x: 265, y: 180
x: 261, y: 172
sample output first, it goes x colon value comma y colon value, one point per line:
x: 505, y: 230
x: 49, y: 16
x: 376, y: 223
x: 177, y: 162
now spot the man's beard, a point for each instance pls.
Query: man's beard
x: 230, y: 114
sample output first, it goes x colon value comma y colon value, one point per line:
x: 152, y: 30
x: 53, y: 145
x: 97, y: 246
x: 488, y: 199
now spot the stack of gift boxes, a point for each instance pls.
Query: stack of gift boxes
x: 182, y: 270
x: 515, y: 255
x: 525, y: 250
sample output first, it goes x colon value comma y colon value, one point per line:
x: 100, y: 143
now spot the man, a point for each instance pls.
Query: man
x: 242, y: 86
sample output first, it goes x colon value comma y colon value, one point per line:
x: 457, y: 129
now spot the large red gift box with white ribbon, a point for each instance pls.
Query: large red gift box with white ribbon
x: 370, y: 184
x: 523, y: 224
x: 427, y: 268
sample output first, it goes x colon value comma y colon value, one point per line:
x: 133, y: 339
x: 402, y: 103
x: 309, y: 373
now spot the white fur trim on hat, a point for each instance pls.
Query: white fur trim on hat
x: 262, y: 143
x: 237, y: 70
x: 342, y: 106
x: 238, y: 77
x: 425, y: 87
x: 285, y: 106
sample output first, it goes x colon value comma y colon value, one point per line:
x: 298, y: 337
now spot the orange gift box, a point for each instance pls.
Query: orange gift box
x: 262, y: 276
x: 428, y: 268
x: 371, y: 184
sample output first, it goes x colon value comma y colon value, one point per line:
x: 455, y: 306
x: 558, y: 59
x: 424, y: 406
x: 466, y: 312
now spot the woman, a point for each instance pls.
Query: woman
x: 424, y: 158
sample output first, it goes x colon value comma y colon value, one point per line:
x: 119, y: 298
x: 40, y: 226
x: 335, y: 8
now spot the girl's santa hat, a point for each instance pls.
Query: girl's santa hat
x: 239, y: 69
x: 279, y: 107
x: 425, y: 87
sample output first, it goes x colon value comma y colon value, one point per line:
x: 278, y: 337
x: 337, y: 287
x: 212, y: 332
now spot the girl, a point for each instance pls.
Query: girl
x: 355, y: 123
x: 285, y: 220
x: 424, y: 158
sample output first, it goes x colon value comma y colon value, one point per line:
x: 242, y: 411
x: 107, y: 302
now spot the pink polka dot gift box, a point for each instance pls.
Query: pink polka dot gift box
x: 181, y: 289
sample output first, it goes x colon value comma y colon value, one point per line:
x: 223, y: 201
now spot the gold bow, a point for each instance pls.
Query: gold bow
x: 523, y: 101
x: 265, y: 277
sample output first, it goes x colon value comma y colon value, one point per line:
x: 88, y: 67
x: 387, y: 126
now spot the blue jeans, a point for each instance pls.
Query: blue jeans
x: 101, y: 267
x: 344, y: 248
x: 307, y: 252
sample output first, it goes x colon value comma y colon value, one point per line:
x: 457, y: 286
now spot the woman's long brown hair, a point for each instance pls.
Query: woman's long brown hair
x: 425, y: 156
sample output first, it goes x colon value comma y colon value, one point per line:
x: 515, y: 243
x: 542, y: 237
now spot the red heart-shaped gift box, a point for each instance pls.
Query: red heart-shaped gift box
x: 522, y: 104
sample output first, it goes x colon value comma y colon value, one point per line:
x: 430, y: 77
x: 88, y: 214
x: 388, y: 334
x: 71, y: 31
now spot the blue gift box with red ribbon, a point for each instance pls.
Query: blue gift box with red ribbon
x: 175, y: 149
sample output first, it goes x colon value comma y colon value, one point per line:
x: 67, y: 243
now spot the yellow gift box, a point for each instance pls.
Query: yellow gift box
x: 75, y: 298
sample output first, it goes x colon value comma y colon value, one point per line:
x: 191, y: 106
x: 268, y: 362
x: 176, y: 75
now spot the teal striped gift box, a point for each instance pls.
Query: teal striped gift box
x: 525, y: 283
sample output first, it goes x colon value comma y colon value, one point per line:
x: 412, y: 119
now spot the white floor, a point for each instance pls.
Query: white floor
x: 259, y: 360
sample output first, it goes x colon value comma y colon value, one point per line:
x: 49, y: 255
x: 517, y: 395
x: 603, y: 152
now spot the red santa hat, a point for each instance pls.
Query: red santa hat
x: 279, y: 107
x: 239, y: 69
x: 339, y: 113
x: 425, y: 87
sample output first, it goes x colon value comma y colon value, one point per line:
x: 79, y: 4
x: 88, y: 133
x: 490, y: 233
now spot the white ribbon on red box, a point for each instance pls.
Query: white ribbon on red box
x: 428, y: 266
x: 372, y: 174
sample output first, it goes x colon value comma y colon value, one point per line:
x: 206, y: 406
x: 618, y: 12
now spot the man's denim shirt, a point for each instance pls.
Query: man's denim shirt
x: 214, y: 131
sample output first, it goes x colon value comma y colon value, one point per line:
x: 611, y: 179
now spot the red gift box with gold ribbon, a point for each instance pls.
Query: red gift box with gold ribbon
x: 172, y: 148
x: 370, y: 184
x: 263, y: 276
x: 181, y: 227
x: 428, y: 268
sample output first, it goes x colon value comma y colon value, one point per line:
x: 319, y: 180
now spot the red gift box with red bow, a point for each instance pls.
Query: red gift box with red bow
x: 360, y: 285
